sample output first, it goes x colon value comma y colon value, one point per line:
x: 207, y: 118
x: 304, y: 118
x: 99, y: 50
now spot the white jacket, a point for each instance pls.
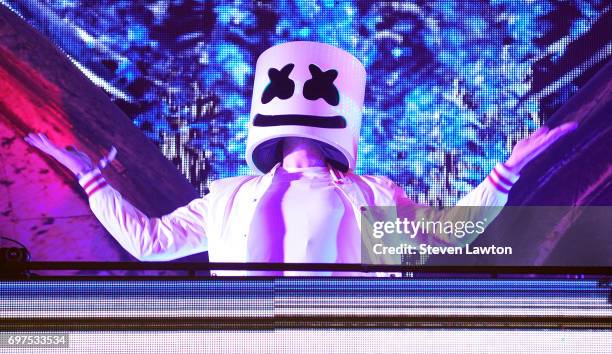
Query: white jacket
x: 219, y: 222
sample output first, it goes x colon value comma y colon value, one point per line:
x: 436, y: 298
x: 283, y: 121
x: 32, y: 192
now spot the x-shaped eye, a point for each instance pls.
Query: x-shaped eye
x: 322, y: 85
x: 280, y: 85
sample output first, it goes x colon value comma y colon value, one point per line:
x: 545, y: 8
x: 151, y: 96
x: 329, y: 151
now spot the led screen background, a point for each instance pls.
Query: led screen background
x: 452, y: 85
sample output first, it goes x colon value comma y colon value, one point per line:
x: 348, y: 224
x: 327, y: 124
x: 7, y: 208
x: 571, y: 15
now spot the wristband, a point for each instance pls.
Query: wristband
x: 502, y: 178
x: 92, y: 181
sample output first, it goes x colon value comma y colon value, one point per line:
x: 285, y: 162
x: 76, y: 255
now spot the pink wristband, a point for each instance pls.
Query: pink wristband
x: 92, y: 182
x: 502, y: 178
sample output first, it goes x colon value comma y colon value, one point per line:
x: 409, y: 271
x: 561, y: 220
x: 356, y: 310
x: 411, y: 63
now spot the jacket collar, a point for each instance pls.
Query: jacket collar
x: 343, y: 182
x: 337, y: 176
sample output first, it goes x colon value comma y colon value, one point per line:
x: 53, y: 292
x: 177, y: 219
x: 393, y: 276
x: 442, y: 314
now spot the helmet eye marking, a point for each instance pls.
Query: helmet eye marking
x: 280, y: 85
x: 321, y: 85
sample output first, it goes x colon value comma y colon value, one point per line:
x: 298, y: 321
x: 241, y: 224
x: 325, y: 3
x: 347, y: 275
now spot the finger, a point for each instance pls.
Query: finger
x: 82, y: 155
x: 562, y: 130
x: 552, y: 136
x: 33, y: 140
x: 32, y: 137
x: 37, y: 139
x: 49, y: 144
x: 112, y: 154
x: 540, y: 131
x: 568, y: 127
x: 46, y: 140
x: 41, y: 142
x: 108, y: 158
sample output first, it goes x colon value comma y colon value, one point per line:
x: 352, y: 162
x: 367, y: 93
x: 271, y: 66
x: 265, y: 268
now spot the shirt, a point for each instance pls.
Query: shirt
x: 291, y: 226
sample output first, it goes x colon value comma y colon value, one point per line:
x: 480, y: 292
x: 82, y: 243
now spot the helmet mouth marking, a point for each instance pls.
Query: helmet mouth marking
x: 333, y: 122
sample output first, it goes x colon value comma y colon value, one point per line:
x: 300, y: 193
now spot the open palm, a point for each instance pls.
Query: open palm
x: 527, y: 149
x: 76, y: 161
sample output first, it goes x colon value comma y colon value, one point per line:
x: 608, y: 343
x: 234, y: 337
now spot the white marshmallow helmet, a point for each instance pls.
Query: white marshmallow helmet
x: 309, y: 90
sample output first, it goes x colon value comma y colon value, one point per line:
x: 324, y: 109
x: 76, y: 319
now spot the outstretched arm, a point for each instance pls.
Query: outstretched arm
x: 178, y: 234
x: 485, y: 201
x: 493, y: 191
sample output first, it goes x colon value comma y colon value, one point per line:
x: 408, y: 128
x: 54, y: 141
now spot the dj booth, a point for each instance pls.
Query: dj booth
x: 417, y: 312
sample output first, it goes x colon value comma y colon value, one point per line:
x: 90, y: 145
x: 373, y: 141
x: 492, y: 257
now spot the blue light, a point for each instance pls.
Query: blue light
x: 137, y: 33
x: 396, y: 52
x: 432, y: 71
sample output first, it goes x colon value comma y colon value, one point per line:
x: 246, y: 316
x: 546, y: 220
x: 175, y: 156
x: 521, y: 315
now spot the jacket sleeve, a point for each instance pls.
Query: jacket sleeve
x: 493, y: 191
x: 481, y: 205
x: 175, y: 235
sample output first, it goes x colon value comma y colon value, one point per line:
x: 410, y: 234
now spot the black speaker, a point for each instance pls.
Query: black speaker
x: 13, y: 255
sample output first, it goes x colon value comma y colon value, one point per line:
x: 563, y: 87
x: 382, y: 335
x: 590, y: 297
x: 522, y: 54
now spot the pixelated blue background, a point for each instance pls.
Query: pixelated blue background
x: 452, y: 85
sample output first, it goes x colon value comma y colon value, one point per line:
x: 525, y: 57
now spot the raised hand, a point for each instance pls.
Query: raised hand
x: 76, y: 161
x: 532, y: 146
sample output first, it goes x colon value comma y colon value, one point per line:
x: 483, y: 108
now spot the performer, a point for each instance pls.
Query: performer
x: 305, y: 204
